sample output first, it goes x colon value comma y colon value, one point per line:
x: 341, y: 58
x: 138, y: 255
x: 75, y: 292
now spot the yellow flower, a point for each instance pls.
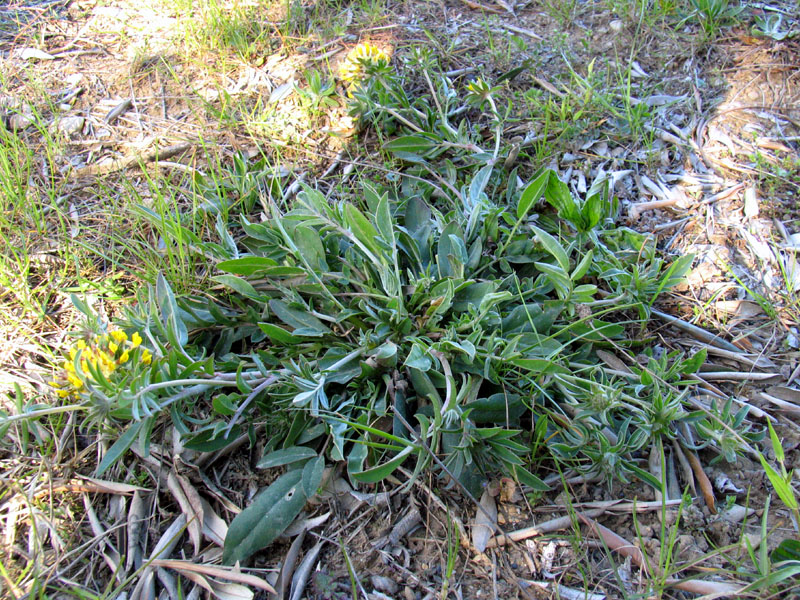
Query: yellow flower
x: 80, y: 345
x: 124, y: 358
x: 113, y: 347
x: 119, y: 336
x: 146, y: 357
x: 351, y: 70
x: 136, y: 339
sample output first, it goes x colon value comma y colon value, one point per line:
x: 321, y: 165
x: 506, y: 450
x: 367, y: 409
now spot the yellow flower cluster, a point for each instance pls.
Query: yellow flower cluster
x: 103, y: 354
x: 352, y: 69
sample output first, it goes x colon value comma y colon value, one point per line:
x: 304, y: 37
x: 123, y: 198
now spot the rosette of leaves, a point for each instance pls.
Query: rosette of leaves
x: 387, y: 329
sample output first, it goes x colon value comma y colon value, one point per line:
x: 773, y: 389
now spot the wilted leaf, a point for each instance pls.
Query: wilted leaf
x: 485, y: 522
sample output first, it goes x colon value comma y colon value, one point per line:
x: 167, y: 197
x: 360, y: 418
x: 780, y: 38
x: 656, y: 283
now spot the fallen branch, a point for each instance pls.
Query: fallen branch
x: 129, y: 161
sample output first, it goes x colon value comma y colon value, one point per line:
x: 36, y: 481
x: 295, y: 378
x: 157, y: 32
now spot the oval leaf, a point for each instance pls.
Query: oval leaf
x: 286, y: 456
x: 271, y: 512
x: 312, y: 476
x: 376, y: 474
x: 249, y: 265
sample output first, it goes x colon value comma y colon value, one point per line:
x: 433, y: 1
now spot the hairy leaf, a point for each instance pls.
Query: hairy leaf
x: 270, y: 513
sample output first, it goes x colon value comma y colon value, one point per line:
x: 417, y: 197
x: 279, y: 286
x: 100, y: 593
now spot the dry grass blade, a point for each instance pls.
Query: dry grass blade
x: 214, y: 527
x: 541, y: 529
x: 300, y: 577
x: 289, y: 562
x: 556, y: 590
x: 130, y: 161
x: 110, y: 487
x: 485, y: 522
x: 109, y: 553
x: 191, y: 507
x: 616, y: 542
x: 230, y: 574
x: 702, y: 480
x: 709, y: 589
x: 137, y: 516
x: 613, y: 361
x: 482, y: 7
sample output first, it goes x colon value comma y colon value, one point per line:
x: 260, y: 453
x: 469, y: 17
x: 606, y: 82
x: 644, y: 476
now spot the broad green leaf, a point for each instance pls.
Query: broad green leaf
x: 558, y: 195
x: 362, y: 229
x: 418, y: 218
x: 693, y: 364
x: 173, y: 324
x: 237, y: 284
x: 386, y: 354
x: 472, y: 295
x: 224, y: 405
x: 423, y: 385
x: 301, y: 321
x: 479, y: 182
x: 497, y: 408
x: 525, y: 477
x: 119, y: 447
x: 557, y: 277
x: 587, y: 289
x: 674, y: 274
x: 285, y: 456
x: 357, y: 457
x: 314, y: 200
x: 279, y: 335
x: 270, y: 513
x: 283, y: 271
x: 445, y: 250
x: 532, y: 193
x: 312, y: 475
x: 382, y: 471
x: 786, y: 550
x: 410, y: 144
x: 383, y: 220
x: 583, y: 266
x: 553, y: 247
x: 540, y: 366
x: 247, y: 266
x: 464, y: 345
x: 310, y: 247
x: 777, y: 447
x: 418, y: 359
x: 594, y: 209
x: 782, y: 487
x: 459, y: 249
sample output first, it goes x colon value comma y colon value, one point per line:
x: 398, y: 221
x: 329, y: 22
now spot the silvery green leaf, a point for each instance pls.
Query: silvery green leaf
x: 418, y: 359
x: 270, y: 513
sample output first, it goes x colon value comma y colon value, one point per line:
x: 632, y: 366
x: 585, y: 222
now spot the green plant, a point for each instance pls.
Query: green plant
x: 318, y: 93
x: 771, y: 25
x: 776, y: 567
x: 713, y: 14
x: 781, y: 480
x: 441, y: 321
